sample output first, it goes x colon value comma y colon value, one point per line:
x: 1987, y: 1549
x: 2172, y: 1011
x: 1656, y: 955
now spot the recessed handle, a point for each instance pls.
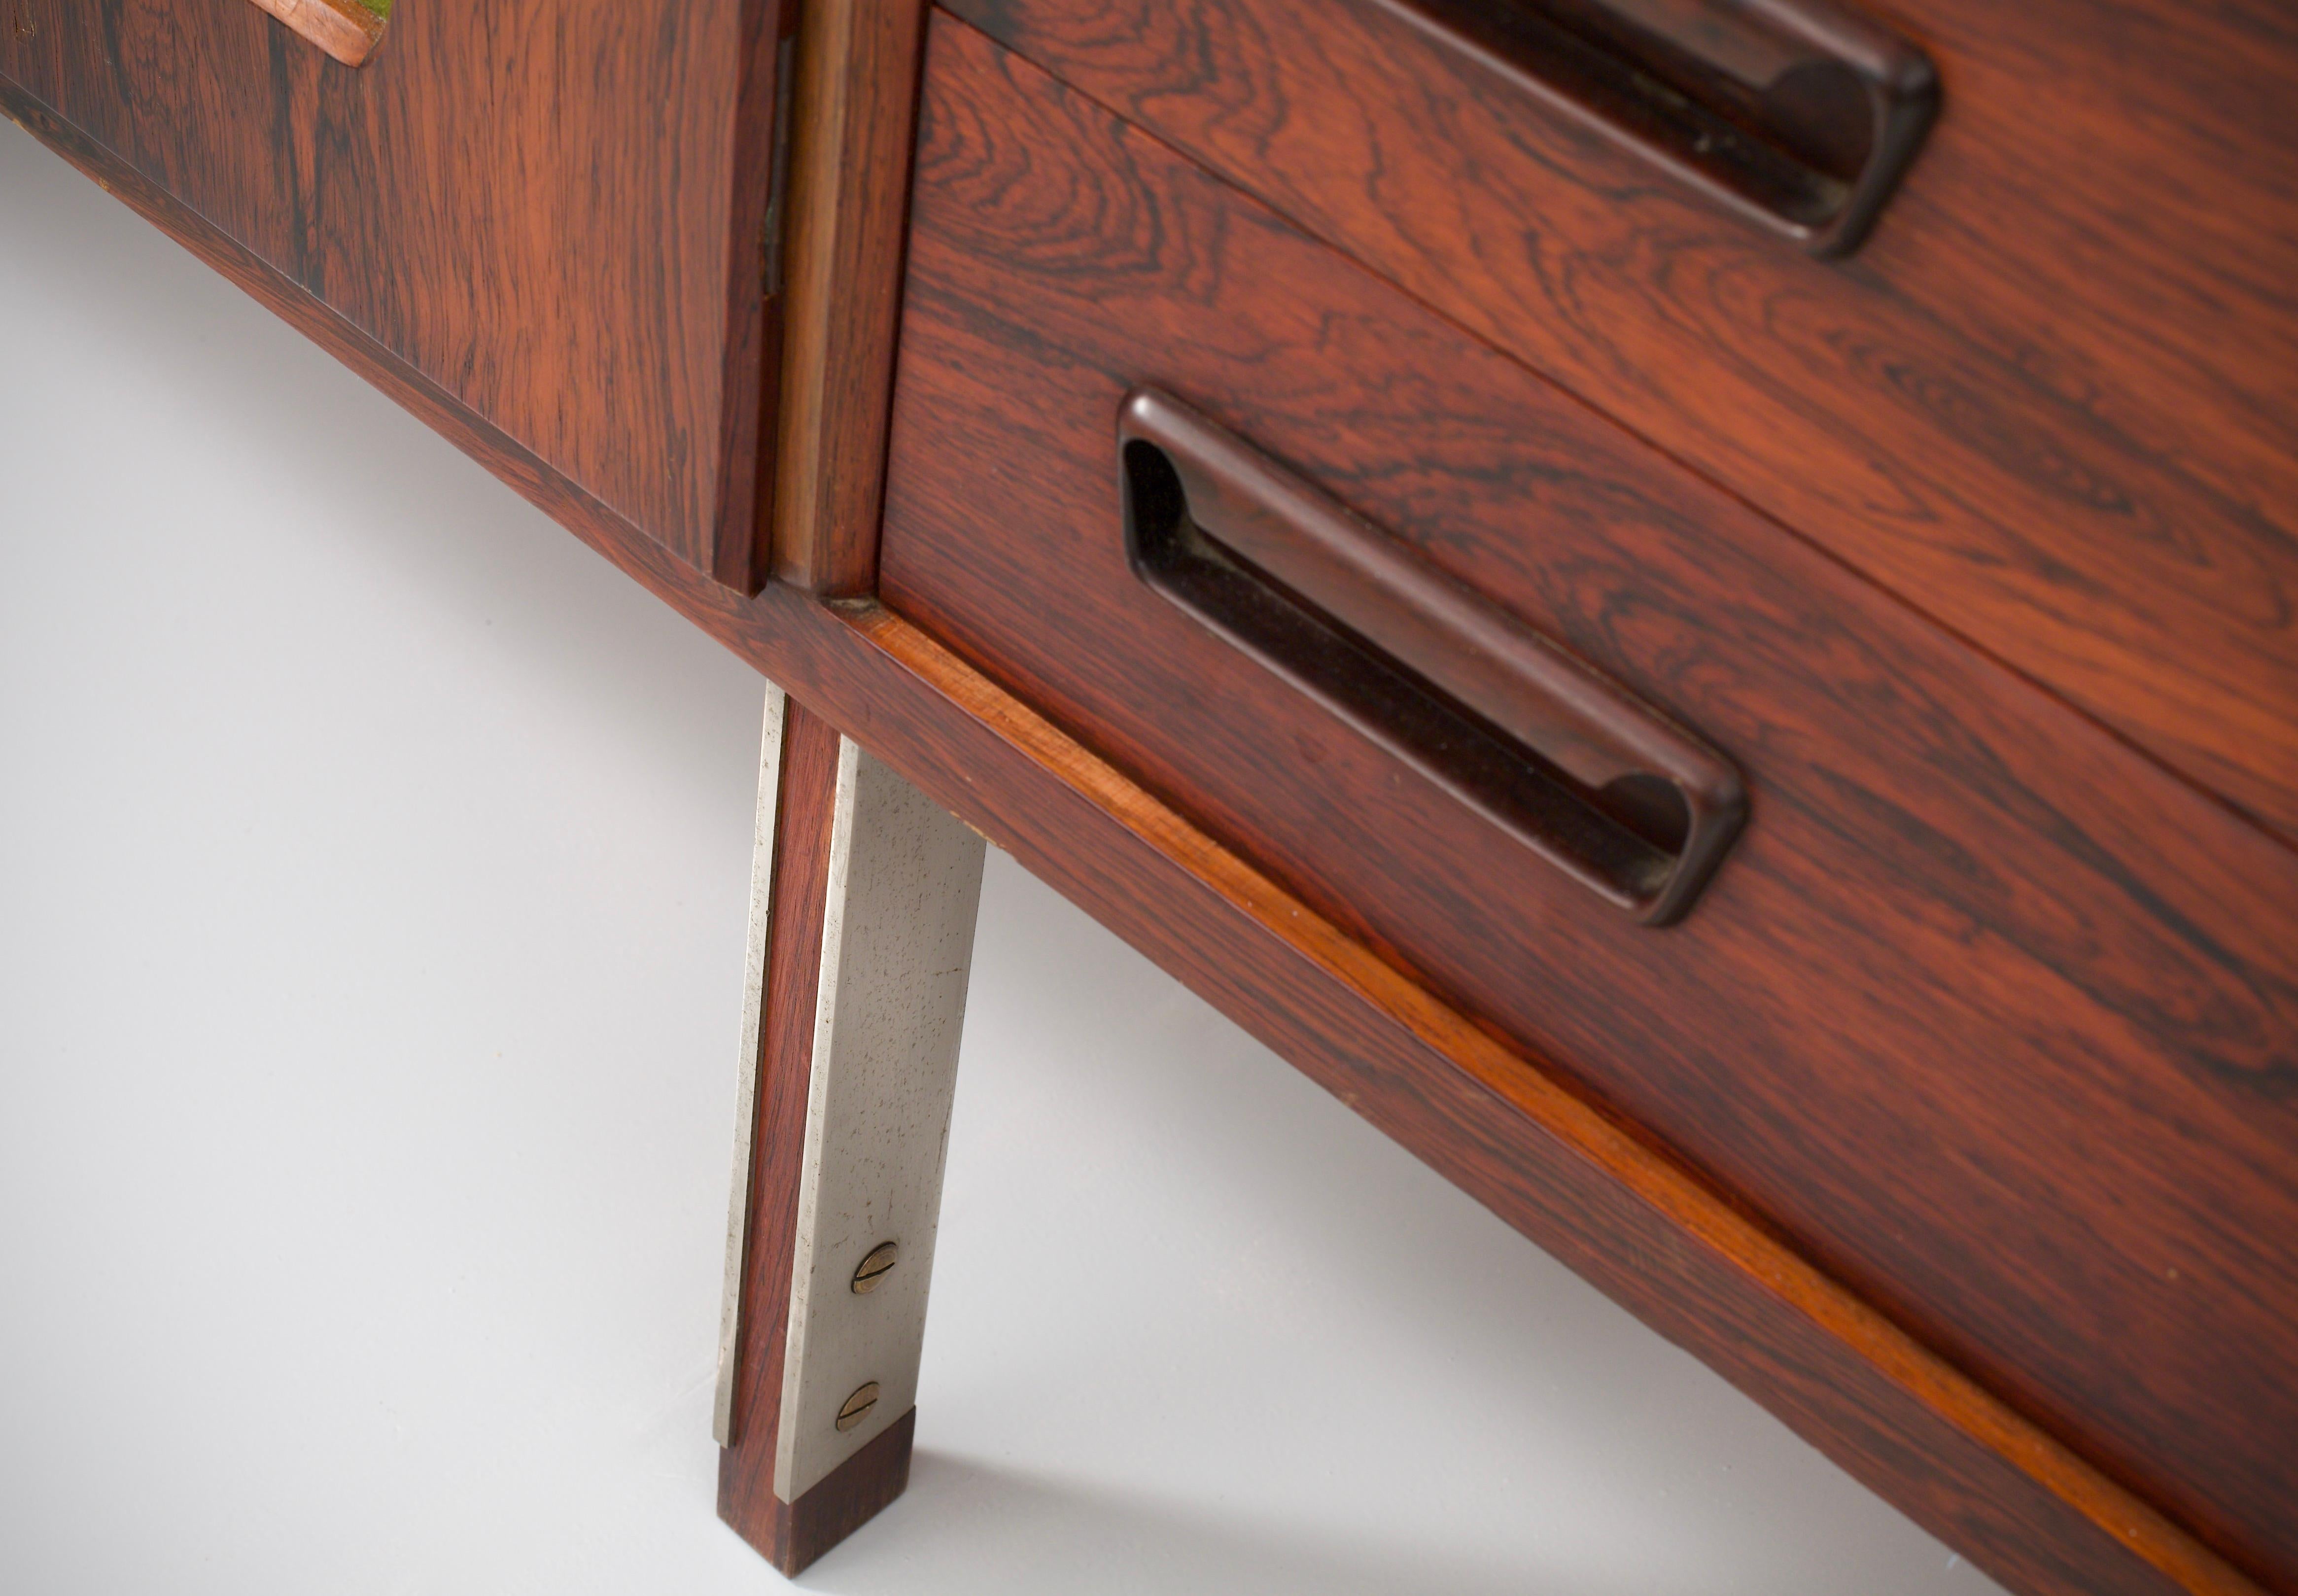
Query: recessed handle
x: 1798, y: 114
x: 347, y: 29
x: 1575, y: 766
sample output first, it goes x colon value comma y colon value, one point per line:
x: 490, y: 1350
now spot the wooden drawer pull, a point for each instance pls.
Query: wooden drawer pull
x: 1601, y: 784
x: 1797, y: 114
x: 347, y: 29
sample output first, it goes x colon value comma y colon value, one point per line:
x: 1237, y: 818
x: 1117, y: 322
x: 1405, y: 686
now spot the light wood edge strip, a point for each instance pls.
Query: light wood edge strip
x: 856, y: 106
x: 1691, y: 1208
x: 344, y: 29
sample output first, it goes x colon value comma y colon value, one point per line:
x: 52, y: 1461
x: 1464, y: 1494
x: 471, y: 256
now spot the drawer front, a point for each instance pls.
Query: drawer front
x: 1988, y: 1013
x: 2050, y: 401
x: 534, y: 205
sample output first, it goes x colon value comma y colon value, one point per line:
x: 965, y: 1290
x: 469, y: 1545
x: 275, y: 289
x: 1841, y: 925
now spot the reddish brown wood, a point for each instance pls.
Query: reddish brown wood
x: 741, y: 541
x: 346, y: 30
x: 791, y: 1535
x: 1992, y: 1015
x: 856, y: 96
x: 1501, y: 1122
x: 1800, y: 116
x: 1506, y: 1128
x: 2050, y: 401
x: 552, y: 210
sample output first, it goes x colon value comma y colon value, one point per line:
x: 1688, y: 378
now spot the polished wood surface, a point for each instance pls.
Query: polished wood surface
x: 1858, y: 1365
x: 793, y: 1535
x: 1517, y: 1133
x: 736, y: 528
x: 1985, y: 1010
x: 1800, y: 116
x: 2050, y: 402
x: 347, y: 29
x: 1502, y: 1123
x: 849, y: 191
x: 553, y: 211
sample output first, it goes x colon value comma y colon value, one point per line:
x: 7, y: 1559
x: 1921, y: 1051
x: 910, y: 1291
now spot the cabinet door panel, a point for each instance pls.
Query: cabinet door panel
x: 553, y: 211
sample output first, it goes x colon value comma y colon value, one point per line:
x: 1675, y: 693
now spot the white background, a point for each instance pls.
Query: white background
x: 372, y: 869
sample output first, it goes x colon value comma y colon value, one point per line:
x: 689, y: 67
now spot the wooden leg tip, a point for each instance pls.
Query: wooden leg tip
x: 791, y: 1535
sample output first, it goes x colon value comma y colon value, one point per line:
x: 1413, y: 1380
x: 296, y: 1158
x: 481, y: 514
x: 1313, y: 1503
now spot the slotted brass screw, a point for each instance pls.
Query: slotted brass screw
x: 875, y: 1268
x: 857, y: 1407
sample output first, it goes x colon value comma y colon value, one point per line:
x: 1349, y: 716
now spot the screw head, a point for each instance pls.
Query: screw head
x: 857, y: 1407
x: 875, y: 1268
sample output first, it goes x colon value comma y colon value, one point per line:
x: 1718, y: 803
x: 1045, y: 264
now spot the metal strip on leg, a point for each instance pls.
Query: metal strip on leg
x: 905, y: 886
x: 745, y: 1100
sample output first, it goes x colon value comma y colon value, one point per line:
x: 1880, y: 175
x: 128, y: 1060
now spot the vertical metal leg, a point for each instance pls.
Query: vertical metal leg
x: 862, y: 903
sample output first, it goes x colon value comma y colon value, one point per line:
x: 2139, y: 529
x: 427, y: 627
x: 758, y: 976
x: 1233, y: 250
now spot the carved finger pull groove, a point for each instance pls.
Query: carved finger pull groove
x: 1797, y: 114
x: 1598, y: 784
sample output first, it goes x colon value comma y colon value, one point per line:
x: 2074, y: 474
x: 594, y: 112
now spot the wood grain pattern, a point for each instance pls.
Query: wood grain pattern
x: 1799, y: 116
x: 791, y: 1535
x: 1992, y: 1015
x: 856, y: 95
x: 550, y: 211
x: 739, y: 543
x: 2052, y: 402
x: 346, y: 30
x: 1510, y: 1131
x: 1500, y: 1122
